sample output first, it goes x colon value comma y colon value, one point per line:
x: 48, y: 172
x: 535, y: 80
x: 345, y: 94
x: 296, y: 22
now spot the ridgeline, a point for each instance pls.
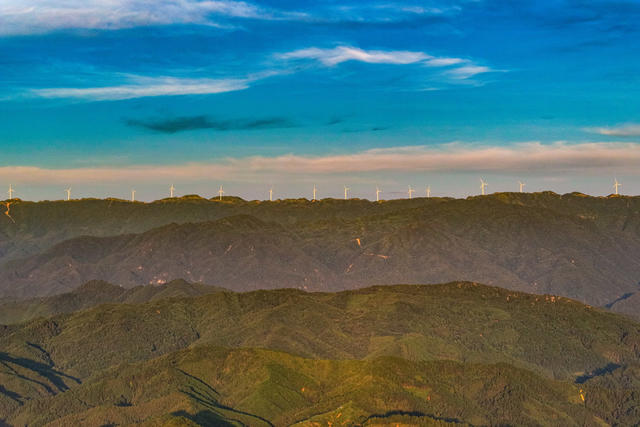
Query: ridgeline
x: 571, y: 245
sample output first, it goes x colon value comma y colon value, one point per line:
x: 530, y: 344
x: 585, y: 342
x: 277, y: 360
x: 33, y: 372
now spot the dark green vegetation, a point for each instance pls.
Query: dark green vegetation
x: 95, y: 293
x: 454, y: 354
x: 571, y: 245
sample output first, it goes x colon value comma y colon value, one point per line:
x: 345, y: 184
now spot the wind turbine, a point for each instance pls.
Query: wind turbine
x: 271, y: 194
x: 411, y: 191
x: 428, y: 191
x: 220, y: 192
x: 378, y: 191
x: 314, y: 193
x: 616, y: 185
x: 522, y: 184
x: 68, y: 191
x: 10, y: 192
x: 133, y: 195
x: 171, y: 190
x: 346, y: 190
x: 483, y: 185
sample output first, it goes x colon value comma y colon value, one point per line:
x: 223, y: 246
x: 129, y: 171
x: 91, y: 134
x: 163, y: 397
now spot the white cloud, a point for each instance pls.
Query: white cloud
x: 630, y: 129
x: 444, y: 62
x: 468, y: 71
x: 381, y: 12
x: 39, y: 16
x: 418, y: 10
x: 340, y: 54
x: 457, y: 69
x: 534, y: 158
x: 139, y: 87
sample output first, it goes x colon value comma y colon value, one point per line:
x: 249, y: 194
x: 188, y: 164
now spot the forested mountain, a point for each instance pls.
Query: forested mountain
x: 459, y: 353
x: 95, y: 293
x: 34, y: 226
x: 573, y: 245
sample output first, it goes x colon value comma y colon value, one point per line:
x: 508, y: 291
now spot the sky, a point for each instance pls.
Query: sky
x: 104, y: 96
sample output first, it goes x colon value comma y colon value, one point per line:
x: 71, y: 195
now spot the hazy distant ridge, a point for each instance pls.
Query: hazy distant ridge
x: 572, y: 245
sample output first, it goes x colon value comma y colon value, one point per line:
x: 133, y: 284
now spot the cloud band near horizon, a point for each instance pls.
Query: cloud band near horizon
x: 626, y: 130
x: 527, y: 158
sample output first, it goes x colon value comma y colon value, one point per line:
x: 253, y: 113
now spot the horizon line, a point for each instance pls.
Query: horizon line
x: 231, y: 198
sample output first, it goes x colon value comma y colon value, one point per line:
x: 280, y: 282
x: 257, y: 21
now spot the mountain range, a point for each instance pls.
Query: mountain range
x: 570, y: 245
x: 453, y: 354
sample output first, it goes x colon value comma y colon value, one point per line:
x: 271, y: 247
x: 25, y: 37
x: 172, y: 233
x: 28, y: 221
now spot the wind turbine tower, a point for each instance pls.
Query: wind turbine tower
x: 616, y: 184
x: 411, y: 191
x: 378, y: 191
x: 68, y: 191
x: 428, y: 191
x: 171, y: 190
x: 220, y: 192
x: 10, y: 192
x: 314, y: 193
x: 522, y: 184
x: 483, y: 186
x: 271, y: 194
x: 133, y: 195
x: 346, y: 190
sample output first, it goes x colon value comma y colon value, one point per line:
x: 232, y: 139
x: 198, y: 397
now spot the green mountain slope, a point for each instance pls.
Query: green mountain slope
x: 216, y: 386
x: 95, y: 293
x: 459, y: 352
x: 464, y: 322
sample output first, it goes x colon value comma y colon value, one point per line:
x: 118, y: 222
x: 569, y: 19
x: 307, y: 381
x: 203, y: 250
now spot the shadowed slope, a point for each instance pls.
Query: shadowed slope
x: 95, y: 293
x: 215, y: 386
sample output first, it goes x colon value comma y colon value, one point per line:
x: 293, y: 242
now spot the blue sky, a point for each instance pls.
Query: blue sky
x: 105, y: 96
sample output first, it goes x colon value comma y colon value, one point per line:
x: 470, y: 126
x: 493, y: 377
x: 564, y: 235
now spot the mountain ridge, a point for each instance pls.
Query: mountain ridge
x: 572, y: 245
x: 94, y: 293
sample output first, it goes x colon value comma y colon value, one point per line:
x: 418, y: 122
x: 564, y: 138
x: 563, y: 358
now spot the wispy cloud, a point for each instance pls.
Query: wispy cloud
x: 20, y: 17
x: 535, y: 158
x: 370, y: 14
x: 39, y: 16
x: 531, y: 157
x: 129, y: 86
x: 140, y: 86
x: 468, y: 71
x: 340, y: 54
x: 629, y: 129
x: 444, y: 62
x: 366, y: 8
x: 172, y: 125
x: 456, y: 69
x: 420, y: 10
